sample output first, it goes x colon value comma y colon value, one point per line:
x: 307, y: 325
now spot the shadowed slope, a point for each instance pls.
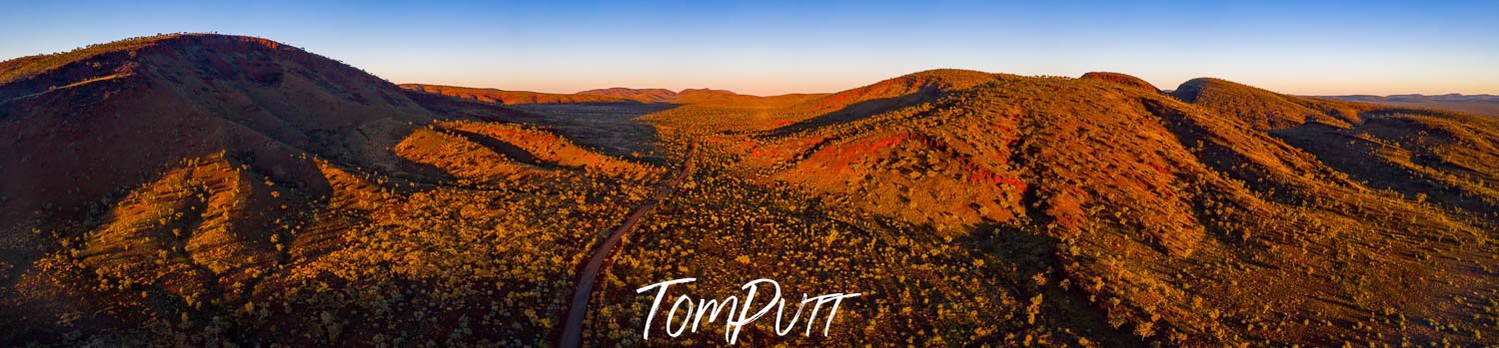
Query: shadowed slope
x: 179, y: 162
x: 116, y: 116
x: 182, y: 188
x: 1443, y: 156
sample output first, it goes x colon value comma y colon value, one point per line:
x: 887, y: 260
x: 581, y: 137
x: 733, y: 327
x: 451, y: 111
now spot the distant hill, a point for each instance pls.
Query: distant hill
x: 1263, y: 109
x: 645, y: 95
x: 611, y: 95
x: 1481, y: 104
x: 490, y: 95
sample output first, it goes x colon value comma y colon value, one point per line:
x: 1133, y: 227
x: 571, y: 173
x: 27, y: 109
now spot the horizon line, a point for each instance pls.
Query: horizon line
x: 522, y: 88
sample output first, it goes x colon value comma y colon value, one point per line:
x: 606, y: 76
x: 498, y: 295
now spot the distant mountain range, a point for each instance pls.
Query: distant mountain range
x: 608, y: 95
x: 648, y: 94
x: 1480, y: 104
x: 1416, y: 98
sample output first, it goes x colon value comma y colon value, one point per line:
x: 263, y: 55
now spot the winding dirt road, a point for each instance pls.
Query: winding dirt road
x: 572, y: 332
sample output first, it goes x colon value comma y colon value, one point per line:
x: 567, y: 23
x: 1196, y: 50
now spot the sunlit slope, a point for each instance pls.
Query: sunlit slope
x: 1211, y: 218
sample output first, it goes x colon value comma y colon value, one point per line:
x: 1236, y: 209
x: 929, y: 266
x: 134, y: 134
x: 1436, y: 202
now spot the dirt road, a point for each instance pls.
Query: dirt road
x: 572, y: 332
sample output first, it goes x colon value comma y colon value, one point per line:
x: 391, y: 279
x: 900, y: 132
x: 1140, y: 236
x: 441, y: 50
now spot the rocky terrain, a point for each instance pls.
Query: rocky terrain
x: 210, y: 190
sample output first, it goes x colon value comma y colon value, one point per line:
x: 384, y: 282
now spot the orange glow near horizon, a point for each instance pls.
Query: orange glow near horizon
x: 768, y: 85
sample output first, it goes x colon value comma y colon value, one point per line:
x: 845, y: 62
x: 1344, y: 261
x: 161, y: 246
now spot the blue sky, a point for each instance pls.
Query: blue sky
x: 772, y: 47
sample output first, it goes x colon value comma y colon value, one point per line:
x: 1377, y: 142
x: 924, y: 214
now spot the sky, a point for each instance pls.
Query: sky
x: 775, y: 47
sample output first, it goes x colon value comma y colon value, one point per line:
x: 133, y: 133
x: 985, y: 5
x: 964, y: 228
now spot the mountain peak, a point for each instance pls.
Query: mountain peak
x: 1124, y: 79
x: 1263, y: 109
x: 705, y: 91
x: 188, y: 96
x: 24, y: 67
x: 899, y: 91
x: 942, y: 79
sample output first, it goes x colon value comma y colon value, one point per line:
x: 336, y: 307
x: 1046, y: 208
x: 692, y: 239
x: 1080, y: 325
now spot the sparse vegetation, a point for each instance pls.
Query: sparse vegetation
x: 231, y: 190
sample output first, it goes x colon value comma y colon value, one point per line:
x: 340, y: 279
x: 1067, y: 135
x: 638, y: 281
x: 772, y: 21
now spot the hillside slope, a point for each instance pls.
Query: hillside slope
x: 210, y: 190
x: 1230, y: 215
x: 1447, y: 157
x: 1263, y: 109
x: 90, y: 124
x: 177, y: 188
